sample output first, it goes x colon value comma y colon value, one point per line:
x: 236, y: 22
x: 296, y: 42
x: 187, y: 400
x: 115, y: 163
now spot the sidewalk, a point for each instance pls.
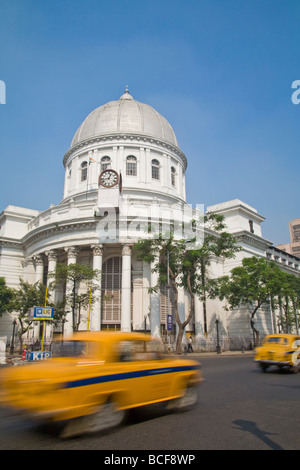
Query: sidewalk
x: 214, y: 353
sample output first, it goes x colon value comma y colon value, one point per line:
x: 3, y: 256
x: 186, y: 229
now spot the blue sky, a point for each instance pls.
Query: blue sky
x: 220, y: 71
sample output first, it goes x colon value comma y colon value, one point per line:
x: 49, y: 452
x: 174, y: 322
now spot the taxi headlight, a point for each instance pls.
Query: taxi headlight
x: 289, y: 352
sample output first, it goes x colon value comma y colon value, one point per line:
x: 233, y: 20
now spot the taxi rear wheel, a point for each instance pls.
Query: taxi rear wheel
x: 108, y: 416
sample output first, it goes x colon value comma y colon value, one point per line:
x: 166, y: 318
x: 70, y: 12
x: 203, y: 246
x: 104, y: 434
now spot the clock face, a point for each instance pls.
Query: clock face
x: 108, y: 178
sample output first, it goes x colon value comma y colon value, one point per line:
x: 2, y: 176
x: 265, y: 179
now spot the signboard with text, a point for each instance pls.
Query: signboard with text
x: 170, y: 322
x: 38, y: 355
x: 41, y: 313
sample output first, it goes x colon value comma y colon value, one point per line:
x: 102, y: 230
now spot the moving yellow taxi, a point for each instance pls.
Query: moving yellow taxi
x: 282, y: 350
x: 92, y: 379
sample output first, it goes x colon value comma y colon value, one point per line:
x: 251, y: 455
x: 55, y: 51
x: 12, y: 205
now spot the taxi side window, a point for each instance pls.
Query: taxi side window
x: 131, y: 351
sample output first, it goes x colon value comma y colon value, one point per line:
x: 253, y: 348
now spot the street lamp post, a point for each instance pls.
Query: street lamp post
x: 12, y: 344
x: 218, y: 341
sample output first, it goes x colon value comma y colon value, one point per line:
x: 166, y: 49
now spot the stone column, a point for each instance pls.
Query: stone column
x: 52, y: 260
x: 126, y: 289
x: 39, y: 268
x: 95, y: 319
x: 29, y: 270
x: 154, y: 305
x: 72, y: 253
x: 199, y: 329
x: 39, y: 276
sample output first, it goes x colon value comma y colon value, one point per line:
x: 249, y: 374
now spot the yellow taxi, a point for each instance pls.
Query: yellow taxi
x: 282, y: 350
x: 93, y: 378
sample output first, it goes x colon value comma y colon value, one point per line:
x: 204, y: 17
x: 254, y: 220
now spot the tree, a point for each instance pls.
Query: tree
x: 289, y: 301
x: 6, y: 295
x: 25, y: 297
x: 254, y: 283
x: 75, y: 276
x: 217, y: 243
x: 182, y: 263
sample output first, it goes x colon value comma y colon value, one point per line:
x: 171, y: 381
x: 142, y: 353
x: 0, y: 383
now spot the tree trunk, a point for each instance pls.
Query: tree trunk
x: 255, y: 331
x: 73, y: 306
x: 20, y: 335
x: 182, y: 325
x: 178, y: 321
x: 203, y: 269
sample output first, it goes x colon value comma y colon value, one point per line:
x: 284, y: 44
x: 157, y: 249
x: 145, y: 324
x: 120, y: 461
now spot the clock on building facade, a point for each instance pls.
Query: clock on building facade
x: 108, y: 178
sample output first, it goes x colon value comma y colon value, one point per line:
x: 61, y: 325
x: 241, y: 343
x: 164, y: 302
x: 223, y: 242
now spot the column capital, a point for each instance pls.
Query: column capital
x: 52, y: 255
x: 126, y: 250
x: 38, y: 259
x: 97, y: 250
x: 72, y: 251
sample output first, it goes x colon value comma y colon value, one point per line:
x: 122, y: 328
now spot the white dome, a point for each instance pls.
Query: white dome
x: 125, y: 116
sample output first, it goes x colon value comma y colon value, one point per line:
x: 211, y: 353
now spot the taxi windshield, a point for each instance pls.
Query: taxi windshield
x: 70, y: 348
x: 276, y: 340
x: 139, y: 350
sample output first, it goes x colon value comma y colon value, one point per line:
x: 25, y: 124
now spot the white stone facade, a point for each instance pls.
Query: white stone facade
x: 98, y: 225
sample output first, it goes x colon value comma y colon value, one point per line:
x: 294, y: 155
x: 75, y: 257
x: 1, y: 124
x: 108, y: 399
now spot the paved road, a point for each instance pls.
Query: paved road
x: 239, y: 408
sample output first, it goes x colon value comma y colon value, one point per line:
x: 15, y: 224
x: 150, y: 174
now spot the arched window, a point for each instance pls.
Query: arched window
x: 131, y: 165
x: 83, y: 171
x: 173, y: 176
x: 105, y: 163
x: 155, y: 169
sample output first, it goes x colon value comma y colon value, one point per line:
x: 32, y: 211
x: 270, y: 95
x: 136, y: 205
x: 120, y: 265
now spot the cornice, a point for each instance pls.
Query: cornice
x: 237, y: 206
x: 252, y: 239
x: 5, y: 241
x: 57, y: 228
x: 121, y: 138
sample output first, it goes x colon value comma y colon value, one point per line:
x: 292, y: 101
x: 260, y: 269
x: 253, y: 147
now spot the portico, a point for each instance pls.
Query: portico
x: 121, y: 295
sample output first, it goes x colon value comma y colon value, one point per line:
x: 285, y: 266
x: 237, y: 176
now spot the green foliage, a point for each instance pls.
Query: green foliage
x: 25, y: 297
x: 256, y: 282
x: 6, y: 295
x: 183, y: 263
x: 253, y: 282
x: 75, y: 276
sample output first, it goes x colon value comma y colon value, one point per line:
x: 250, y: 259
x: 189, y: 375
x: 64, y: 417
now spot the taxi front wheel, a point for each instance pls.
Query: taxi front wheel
x: 186, y: 401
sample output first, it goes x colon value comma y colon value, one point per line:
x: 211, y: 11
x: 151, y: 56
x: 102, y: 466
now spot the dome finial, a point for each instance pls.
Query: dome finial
x: 126, y: 95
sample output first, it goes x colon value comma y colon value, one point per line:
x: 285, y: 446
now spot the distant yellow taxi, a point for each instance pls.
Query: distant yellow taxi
x: 92, y: 379
x: 282, y: 350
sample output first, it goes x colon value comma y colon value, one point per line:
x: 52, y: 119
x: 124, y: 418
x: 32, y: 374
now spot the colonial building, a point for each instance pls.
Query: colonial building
x: 124, y: 170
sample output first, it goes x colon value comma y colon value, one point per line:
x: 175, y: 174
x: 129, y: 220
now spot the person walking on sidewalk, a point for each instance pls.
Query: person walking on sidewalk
x: 190, y: 345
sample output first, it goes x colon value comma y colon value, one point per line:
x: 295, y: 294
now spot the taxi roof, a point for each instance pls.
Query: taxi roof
x: 282, y: 335
x: 108, y: 336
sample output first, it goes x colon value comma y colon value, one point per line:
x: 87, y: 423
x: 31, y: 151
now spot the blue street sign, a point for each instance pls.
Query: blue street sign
x: 38, y: 355
x: 170, y: 322
x: 41, y: 313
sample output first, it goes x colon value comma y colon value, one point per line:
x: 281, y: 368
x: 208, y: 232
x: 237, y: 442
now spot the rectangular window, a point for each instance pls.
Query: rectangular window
x: 131, y: 168
x: 155, y: 172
